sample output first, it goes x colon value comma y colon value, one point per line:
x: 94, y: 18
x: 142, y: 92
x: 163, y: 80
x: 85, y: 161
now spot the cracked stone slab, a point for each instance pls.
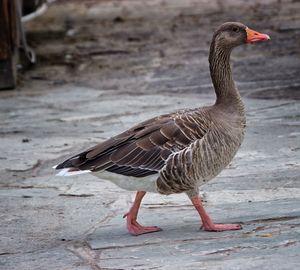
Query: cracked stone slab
x: 183, y: 223
x: 208, y: 250
x: 52, y: 258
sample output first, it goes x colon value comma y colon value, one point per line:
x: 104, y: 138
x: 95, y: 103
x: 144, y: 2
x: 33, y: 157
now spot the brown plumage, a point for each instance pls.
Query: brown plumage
x: 184, y: 149
x: 144, y: 149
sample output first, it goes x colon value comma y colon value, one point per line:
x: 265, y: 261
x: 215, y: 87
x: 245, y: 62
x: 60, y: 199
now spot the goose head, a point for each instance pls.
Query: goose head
x: 233, y: 34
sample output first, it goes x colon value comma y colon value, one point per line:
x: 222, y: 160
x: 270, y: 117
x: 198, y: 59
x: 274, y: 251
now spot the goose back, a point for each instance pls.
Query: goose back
x: 144, y: 149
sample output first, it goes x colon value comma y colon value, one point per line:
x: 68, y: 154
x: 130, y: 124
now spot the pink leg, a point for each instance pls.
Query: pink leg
x: 133, y: 226
x: 207, y: 223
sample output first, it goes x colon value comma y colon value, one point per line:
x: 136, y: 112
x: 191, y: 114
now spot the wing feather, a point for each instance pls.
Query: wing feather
x: 144, y: 149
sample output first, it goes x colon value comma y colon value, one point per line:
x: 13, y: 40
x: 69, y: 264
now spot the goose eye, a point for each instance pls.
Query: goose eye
x: 235, y: 29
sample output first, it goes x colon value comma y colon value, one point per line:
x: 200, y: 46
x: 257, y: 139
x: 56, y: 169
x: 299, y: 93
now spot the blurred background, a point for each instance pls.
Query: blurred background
x: 94, y: 42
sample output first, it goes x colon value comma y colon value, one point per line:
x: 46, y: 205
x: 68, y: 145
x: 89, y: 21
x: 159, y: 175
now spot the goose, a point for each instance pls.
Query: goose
x: 180, y: 151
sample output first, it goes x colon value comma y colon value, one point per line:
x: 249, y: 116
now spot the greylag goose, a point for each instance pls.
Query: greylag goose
x: 180, y: 151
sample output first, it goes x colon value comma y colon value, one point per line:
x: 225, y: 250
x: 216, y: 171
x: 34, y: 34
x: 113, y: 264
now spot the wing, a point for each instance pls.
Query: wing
x: 143, y: 149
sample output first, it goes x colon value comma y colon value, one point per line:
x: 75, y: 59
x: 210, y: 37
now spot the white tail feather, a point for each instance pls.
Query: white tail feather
x: 66, y: 172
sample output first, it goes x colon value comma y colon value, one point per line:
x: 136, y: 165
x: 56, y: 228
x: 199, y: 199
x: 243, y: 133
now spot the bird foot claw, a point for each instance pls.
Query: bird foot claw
x: 138, y: 230
x: 134, y: 228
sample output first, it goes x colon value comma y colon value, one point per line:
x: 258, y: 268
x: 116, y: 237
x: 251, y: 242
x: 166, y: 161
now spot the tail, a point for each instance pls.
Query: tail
x: 70, y: 171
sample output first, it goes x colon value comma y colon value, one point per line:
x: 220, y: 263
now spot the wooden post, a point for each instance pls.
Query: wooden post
x: 9, y: 43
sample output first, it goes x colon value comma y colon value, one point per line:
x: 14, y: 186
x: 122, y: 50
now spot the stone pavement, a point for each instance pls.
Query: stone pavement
x: 108, y: 65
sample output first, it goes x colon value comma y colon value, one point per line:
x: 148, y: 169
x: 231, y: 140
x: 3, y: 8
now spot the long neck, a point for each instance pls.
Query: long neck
x: 220, y: 71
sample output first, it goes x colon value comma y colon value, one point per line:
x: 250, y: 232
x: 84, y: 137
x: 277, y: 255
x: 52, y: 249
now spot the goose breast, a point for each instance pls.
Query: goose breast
x: 206, y: 157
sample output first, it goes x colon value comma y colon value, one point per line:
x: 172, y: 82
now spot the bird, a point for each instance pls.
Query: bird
x: 180, y: 151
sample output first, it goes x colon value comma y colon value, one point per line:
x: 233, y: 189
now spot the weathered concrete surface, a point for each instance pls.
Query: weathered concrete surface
x: 104, y: 66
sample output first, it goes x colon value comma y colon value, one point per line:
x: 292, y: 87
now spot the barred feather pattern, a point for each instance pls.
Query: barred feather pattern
x: 204, y: 158
x: 143, y: 149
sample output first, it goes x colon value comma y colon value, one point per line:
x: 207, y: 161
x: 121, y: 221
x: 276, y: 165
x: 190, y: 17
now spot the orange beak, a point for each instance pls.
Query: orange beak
x: 253, y: 36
